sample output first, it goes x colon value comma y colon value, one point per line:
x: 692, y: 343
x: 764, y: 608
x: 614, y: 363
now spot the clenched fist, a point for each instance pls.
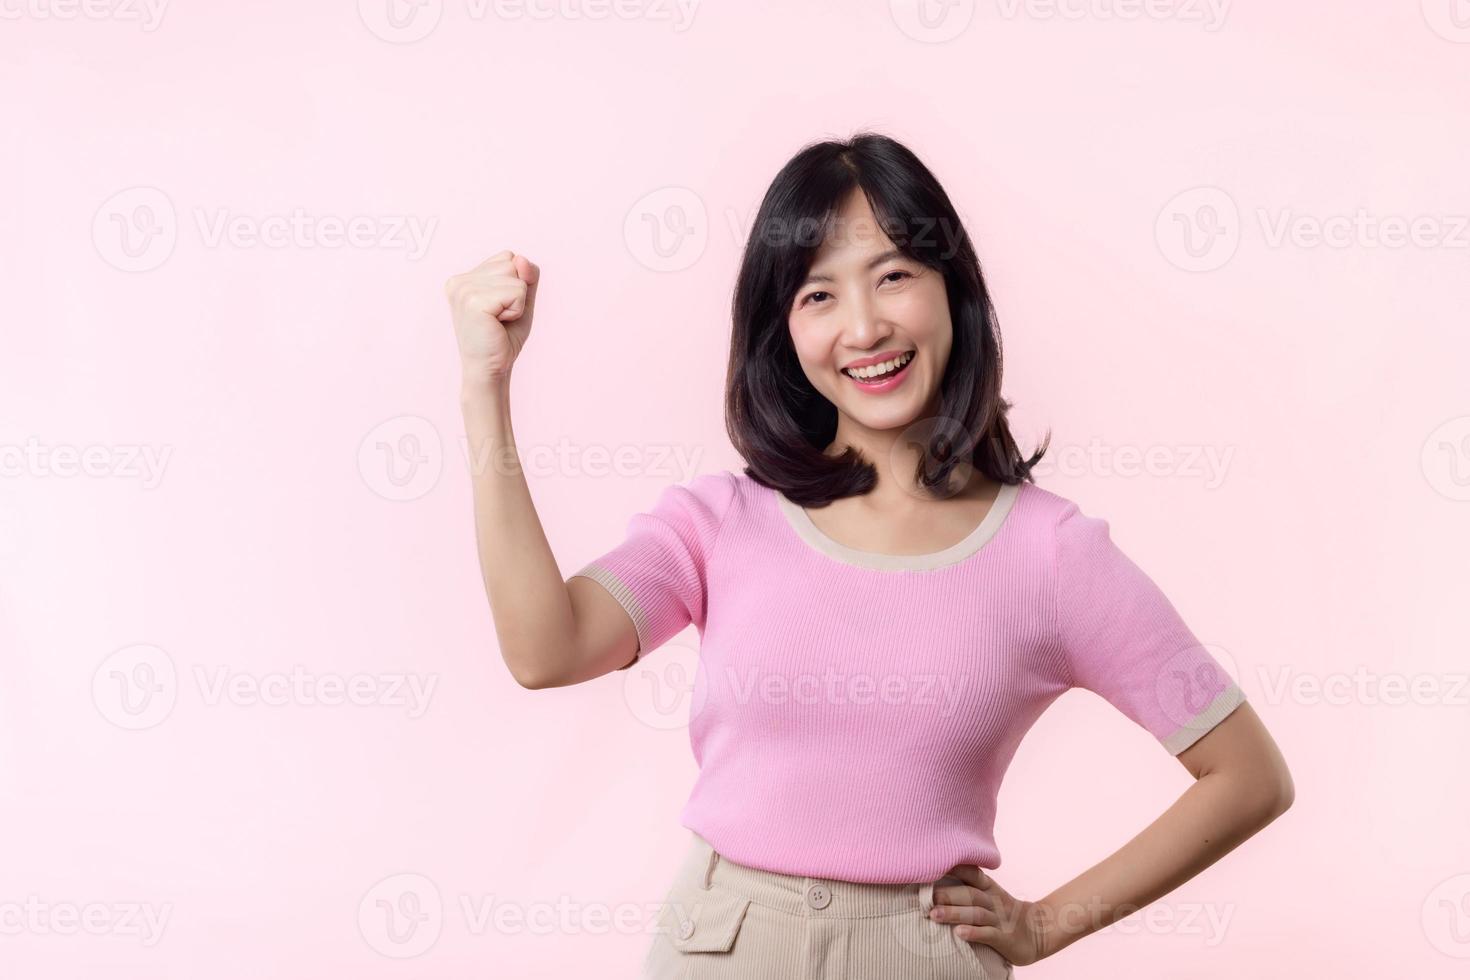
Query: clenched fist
x: 492, y: 306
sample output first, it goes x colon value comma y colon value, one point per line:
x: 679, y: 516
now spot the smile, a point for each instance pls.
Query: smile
x: 881, y: 377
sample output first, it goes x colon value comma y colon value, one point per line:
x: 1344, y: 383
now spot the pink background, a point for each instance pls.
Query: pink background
x: 1301, y: 407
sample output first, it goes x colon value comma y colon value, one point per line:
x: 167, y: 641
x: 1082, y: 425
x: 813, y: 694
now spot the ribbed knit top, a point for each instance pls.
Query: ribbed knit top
x: 854, y: 712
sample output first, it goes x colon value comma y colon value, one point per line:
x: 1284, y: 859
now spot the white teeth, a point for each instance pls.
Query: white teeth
x: 874, y: 370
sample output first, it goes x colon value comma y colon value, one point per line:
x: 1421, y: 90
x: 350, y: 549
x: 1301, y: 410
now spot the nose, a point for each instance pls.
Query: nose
x: 866, y: 327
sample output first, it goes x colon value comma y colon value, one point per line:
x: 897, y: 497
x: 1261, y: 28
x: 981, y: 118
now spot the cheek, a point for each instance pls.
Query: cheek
x: 812, y: 345
x: 925, y: 319
x: 923, y: 313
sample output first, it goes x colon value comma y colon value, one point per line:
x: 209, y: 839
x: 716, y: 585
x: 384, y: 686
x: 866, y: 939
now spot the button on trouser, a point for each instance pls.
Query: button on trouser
x: 723, y: 920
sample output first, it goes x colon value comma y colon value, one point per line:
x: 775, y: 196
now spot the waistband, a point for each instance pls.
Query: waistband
x: 808, y: 896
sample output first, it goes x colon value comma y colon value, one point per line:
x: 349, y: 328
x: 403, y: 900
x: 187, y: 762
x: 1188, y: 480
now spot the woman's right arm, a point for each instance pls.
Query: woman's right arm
x: 552, y: 632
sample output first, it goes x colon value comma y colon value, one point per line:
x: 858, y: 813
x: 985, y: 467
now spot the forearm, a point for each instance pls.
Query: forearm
x: 527, y: 594
x: 1218, y: 812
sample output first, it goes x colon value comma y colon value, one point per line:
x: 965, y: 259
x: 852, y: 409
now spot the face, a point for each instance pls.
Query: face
x: 864, y: 305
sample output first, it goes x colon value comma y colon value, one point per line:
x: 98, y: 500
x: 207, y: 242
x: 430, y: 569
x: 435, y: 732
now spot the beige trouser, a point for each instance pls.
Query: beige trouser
x: 724, y: 920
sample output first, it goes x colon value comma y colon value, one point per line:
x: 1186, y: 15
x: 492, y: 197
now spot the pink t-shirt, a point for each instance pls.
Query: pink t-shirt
x: 855, y: 712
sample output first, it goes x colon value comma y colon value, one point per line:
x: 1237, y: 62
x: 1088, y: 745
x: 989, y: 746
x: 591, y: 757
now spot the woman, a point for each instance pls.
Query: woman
x: 886, y: 602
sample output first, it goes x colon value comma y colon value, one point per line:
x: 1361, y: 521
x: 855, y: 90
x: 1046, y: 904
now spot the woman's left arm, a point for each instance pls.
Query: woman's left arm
x: 1241, y: 785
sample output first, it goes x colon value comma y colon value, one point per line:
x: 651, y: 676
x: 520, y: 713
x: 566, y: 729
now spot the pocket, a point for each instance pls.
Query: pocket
x: 979, y: 961
x: 987, y: 961
x: 702, y: 920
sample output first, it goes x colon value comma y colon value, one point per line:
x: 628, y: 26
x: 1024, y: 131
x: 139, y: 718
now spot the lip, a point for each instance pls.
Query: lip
x: 887, y: 355
x: 888, y: 384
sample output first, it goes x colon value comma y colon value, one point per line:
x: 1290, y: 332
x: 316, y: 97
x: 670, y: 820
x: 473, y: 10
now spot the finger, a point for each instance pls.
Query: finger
x: 499, y: 258
x: 503, y: 303
x: 969, y: 915
x: 529, y: 273
x: 479, y: 277
x: 971, y: 874
x: 987, y: 934
x: 504, y: 299
x: 952, y: 895
x: 527, y: 270
x: 962, y: 895
x: 497, y: 273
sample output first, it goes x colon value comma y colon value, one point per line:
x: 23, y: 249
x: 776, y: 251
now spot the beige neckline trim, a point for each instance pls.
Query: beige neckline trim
x: 802, y: 523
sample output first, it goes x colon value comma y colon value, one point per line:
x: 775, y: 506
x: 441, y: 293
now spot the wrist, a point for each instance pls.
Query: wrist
x: 478, y: 386
x: 1043, y: 922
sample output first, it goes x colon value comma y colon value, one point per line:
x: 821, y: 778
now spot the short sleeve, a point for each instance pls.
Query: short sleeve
x: 1124, y: 640
x: 658, y: 572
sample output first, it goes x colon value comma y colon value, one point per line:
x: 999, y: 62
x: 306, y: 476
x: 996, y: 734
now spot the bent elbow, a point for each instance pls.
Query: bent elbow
x: 529, y: 678
x: 538, y: 681
x: 1286, y: 796
x: 1278, y: 797
x: 532, y: 668
x: 530, y: 682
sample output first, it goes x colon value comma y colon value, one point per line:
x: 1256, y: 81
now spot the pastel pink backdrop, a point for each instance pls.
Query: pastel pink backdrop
x: 305, y: 520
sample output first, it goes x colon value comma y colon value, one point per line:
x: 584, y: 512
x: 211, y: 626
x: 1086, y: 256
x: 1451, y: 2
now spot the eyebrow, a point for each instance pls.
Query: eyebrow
x: 874, y: 262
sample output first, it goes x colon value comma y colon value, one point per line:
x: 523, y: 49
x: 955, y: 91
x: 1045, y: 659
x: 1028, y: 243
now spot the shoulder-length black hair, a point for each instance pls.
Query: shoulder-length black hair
x: 777, y: 421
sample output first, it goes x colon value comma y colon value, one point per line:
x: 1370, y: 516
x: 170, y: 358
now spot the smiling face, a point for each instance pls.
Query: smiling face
x: 871, y: 327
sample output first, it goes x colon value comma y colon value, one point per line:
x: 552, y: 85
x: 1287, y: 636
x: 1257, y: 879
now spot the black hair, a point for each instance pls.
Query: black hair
x: 776, y: 420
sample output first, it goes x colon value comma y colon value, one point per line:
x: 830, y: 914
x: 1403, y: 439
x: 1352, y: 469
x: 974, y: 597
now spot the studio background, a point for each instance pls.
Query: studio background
x: 253, y: 719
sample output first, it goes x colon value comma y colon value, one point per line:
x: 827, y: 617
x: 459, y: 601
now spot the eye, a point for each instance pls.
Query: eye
x: 902, y: 273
